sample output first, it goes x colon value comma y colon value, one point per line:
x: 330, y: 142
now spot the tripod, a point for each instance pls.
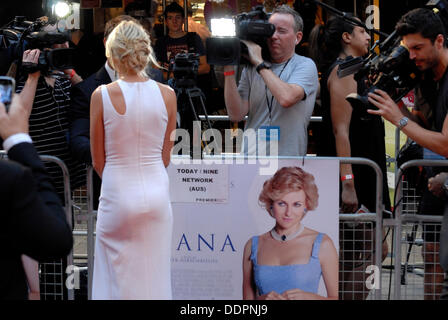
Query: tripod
x: 187, y: 93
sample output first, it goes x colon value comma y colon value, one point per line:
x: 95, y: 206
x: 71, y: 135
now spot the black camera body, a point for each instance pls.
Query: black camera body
x: 391, y: 71
x: 185, y: 69
x: 252, y: 26
x: 20, y: 35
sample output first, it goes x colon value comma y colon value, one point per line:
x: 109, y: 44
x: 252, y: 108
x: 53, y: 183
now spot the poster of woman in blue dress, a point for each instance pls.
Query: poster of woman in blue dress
x: 290, y: 260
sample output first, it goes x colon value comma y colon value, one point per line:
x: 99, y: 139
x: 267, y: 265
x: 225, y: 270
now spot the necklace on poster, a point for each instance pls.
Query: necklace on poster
x: 284, y: 237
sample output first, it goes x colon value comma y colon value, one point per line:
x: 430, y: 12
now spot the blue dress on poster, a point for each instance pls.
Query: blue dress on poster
x: 305, y: 277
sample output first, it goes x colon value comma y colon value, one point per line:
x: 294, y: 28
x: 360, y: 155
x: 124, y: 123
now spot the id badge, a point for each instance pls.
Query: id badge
x: 269, y: 133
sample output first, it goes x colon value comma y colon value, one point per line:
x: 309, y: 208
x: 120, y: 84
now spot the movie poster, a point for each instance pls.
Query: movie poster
x: 216, y: 211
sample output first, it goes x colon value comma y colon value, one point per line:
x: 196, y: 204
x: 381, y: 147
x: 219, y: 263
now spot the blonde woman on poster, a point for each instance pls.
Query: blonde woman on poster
x: 287, y: 262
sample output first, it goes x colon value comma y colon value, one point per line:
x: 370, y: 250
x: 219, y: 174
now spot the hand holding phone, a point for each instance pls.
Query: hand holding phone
x: 7, y: 88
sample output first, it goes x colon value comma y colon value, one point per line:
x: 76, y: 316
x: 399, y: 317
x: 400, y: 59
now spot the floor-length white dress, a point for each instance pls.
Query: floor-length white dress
x: 134, y: 223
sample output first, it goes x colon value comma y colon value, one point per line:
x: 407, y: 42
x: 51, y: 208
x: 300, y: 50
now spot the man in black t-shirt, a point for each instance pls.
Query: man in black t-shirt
x: 424, y: 35
x: 178, y: 41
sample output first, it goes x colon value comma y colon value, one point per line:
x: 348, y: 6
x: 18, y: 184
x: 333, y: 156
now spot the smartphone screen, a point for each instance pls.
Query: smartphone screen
x: 7, y: 88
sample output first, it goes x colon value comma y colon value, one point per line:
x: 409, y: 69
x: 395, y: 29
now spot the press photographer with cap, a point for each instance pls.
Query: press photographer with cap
x: 423, y: 33
x: 277, y: 95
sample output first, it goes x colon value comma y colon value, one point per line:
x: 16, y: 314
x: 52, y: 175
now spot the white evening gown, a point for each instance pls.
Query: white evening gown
x: 134, y: 224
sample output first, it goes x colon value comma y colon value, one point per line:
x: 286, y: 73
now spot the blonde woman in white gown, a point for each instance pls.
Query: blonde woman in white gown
x: 131, y: 120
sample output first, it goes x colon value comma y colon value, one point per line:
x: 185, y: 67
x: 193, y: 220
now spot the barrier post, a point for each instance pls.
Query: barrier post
x: 68, y: 208
x: 399, y: 218
x: 90, y: 231
x: 379, y: 212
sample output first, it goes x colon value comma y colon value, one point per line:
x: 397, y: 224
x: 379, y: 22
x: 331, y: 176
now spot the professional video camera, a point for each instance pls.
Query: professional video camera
x: 227, y: 49
x: 20, y: 35
x: 392, y: 70
x: 185, y: 69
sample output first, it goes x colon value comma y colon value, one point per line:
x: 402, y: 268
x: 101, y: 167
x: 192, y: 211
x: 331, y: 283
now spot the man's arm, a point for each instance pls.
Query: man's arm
x: 435, y: 141
x: 204, y: 67
x: 286, y: 94
x: 28, y: 92
x: 237, y: 108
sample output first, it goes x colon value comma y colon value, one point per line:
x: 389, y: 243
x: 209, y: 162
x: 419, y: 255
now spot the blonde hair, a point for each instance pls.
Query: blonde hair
x: 128, y: 47
x: 289, y: 179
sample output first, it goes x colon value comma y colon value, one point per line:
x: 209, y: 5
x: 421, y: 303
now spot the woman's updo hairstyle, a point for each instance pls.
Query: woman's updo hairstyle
x: 128, y: 47
x: 289, y: 179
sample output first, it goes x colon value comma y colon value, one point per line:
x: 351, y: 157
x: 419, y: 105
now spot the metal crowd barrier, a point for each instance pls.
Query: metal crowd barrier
x: 363, y: 222
x: 52, y: 273
x: 226, y: 118
x: 402, y: 219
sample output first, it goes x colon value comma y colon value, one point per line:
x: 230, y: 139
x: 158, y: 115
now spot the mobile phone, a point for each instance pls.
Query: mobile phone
x: 7, y: 88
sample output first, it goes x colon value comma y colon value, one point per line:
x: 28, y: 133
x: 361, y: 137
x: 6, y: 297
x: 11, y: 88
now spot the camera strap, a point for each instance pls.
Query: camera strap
x: 269, y: 103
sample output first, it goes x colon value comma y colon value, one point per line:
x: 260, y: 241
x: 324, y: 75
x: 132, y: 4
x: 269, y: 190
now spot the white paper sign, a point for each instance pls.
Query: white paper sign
x: 199, y: 183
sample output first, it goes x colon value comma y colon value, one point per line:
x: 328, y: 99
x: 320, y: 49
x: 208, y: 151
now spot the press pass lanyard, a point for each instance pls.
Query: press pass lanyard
x: 272, y: 97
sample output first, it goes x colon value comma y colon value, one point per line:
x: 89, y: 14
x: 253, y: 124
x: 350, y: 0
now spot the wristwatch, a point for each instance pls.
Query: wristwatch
x: 402, y: 123
x: 263, y: 65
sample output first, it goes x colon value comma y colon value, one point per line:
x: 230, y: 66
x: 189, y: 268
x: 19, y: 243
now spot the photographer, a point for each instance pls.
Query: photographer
x: 424, y: 35
x: 48, y: 97
x: 34, y: 221
x: 178, y: 41
x: 279, y: 97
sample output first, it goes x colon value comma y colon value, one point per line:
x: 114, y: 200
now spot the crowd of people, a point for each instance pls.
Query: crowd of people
x: 119, y: 120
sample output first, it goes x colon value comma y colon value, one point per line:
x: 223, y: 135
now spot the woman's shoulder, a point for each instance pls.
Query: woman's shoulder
x: 326, y: 243
x: 164, y: 88
x: 97, y: 92
x: 314, y: 234
x: 168, y: 94
x: 310, y: 232
x: 258, y: 238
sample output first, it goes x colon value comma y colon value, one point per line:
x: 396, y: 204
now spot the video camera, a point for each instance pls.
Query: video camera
x: 252, y: 26
x: 20, y: 35
x: 185, y: 69
x: 392, y: 70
